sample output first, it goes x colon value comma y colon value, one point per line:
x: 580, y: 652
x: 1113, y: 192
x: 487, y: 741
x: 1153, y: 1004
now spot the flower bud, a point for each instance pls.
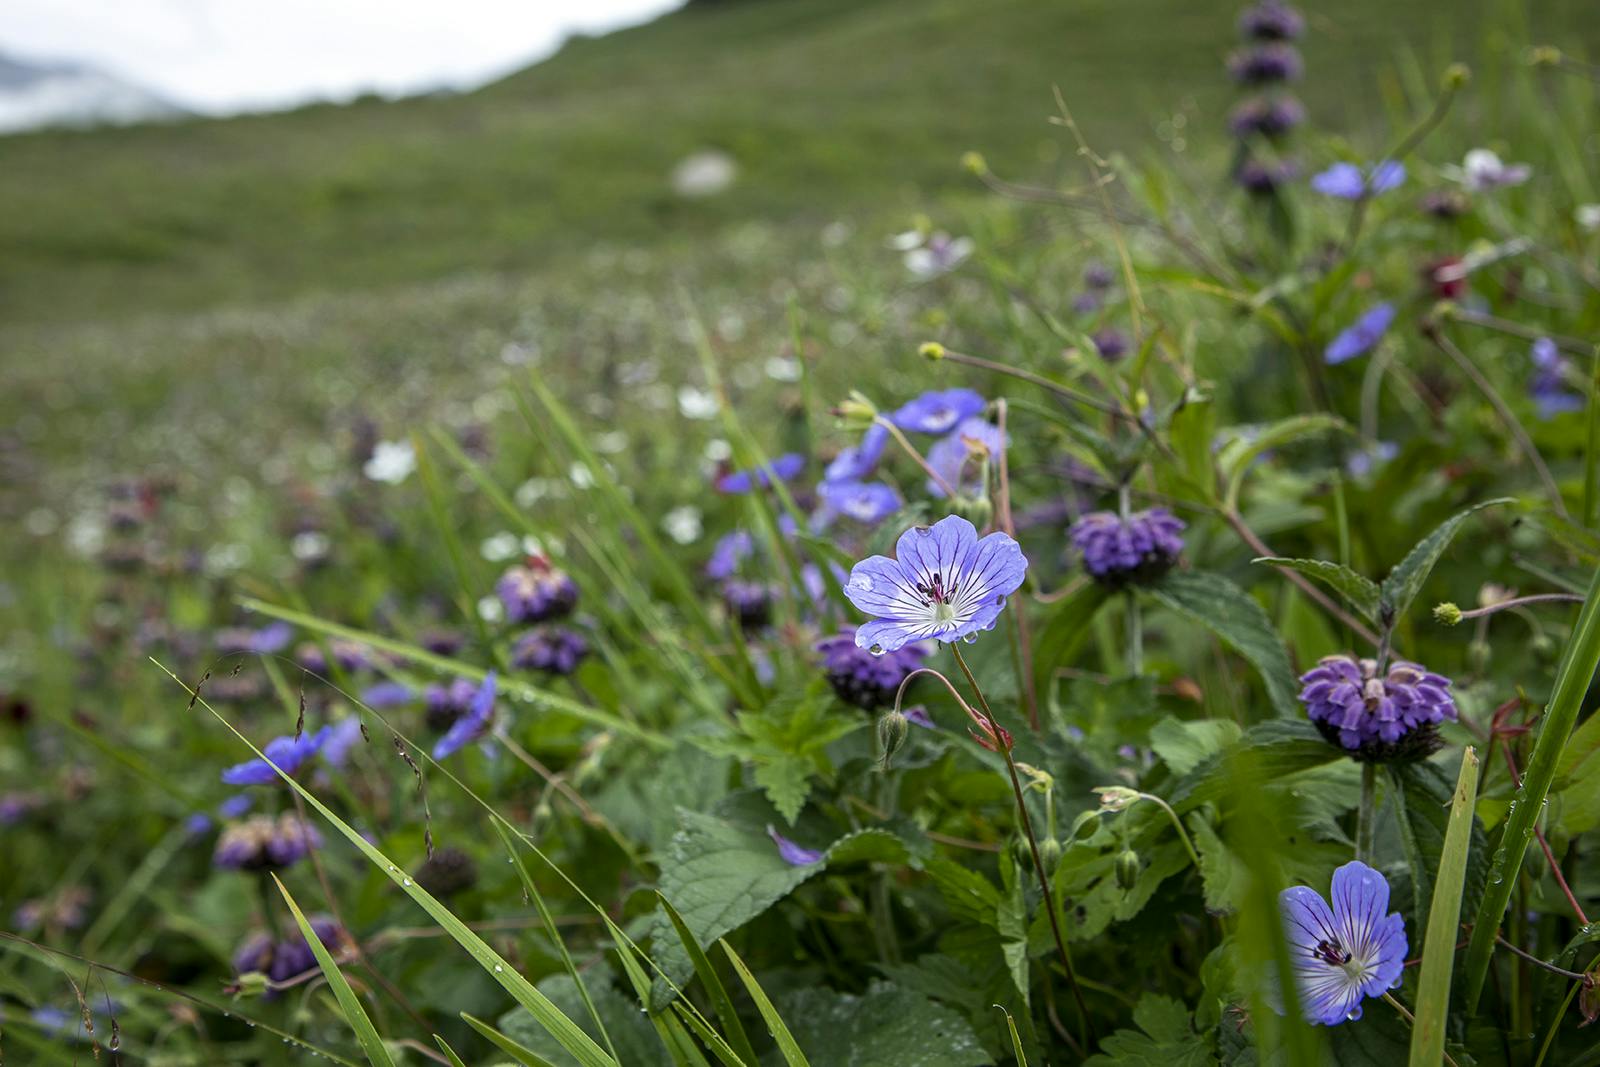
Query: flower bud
x: 1447, y: 614
x: 1544, y: 55
x: 1050, y: 854
x: 892, y: 729
x: 931, y: 350
x: 1116, y: 797
x: 977, y: 510
x: 1128, y: 867
x: 1087, y: 824
x: 252, y: 984
x: 1456, y: 75
x: 974, y: 163
x: 856, y: 410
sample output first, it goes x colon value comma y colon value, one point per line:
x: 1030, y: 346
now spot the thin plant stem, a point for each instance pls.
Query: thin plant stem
x: 1260, y: 548
x: 1575, y: 976
x: 1367, y: 813
x: 1544, y: 844
x: 1022, y: 643
x: 1536, y: 598
x: 1063, y: 391
x: 1405, y: 1013
x: 1496, y: 401
x: 911, y: 450
x: 1555, y: 1024
x: 1087, y: 1027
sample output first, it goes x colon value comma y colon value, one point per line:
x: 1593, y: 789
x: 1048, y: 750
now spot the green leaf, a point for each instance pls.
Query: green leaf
x: 1444, y: 922
x: 1238, y: 455
x: 1065, y: 628
x: 884, y: 1027
x: 450, y: 1053
x: 1268, y: 752
x: 1191, y: 431
x: 1357, y: 590
x: 354, y: 1014
x: 1573, y: 678
x: 1165, y: 1038
x: 787, y: 782
x: 1233, y: 615
x: 719, y: 876
x: 780, y: 1033
x: 1423, y: 794
x: 1183, y: 746
x: 1403, y: 584
x: 636, y: 1040
x: 1222, y: 873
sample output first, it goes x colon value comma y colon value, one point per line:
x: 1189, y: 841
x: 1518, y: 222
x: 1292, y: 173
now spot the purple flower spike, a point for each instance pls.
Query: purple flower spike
x: 552, y: 649
x: 1117, y: 550
x: 536, y: 592
x: 1344, y: 953
x: 944, y: 583
x: 862, y: 679
x: 1271, y: 20
x: 1349, y: 182
x: 1263, y: 177
x: 794, y: 855
x: 262, y: 843
x: 1548, y: 386
x: 958, y: 458
x: 938, y: 411
x: 1362, y: 336
x: 1392, y: 716
x: 287, y: 752
x: 1269, y: 117
x: 865, y: 502
x: 472, y: 725
x: 784, y: 469
x: 1264, y: 64
x: 858, y: 461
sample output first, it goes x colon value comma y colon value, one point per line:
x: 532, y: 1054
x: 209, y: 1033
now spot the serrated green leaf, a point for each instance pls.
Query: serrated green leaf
x: 1403, y: 583
x: 1165, y: 1038
x: 1233, y: 615
x: 1358, y: 591
x: 1183, y: 746
x: 1268, y: 751
x: 1222, y: 873
x: 787, y: 783
x: 884, y: 1027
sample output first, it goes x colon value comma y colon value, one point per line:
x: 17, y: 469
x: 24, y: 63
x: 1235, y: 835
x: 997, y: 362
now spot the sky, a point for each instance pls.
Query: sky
x: 221, y: 56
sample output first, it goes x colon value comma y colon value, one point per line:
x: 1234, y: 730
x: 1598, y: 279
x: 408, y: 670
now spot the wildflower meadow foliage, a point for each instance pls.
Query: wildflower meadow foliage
x: 1145, y: 617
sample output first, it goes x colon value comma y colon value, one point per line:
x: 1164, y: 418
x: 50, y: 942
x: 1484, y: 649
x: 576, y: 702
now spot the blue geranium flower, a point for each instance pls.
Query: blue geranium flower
x: 1349, y: 182
x: 1362, y: 336
x: 784, y: 468
x: 962, y: 454
x: 1347, y: 952
x: 944, y: 583
x: 288, y: 752
x: 473, y: 724
x: 939, y: 411
x: 1548, y: 386
x: 859, y: 461
x: 865, y: 502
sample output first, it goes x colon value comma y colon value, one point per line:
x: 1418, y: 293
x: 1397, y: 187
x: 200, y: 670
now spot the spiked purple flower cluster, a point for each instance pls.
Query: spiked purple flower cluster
x: 1117, y: 550
x: 1266, y: 63
x: 859, y: 677
x: 283, y: 961
x: 552, y: 649
x: 1372, y: 714
x: 263, y: 843
x: 536, y: 592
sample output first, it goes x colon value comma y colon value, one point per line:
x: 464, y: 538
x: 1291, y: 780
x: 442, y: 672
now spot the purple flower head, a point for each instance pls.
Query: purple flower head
x: 1260, y: 177
x: 1349, y: 182
x: 793, y: 854
x: 865, y: 502
x: 959, y: 457
x: 1264, y: 64
x: 271, y: 638
x: 1271, y: 20
x: 1548, y: 386
x: 727, y: 553
x: 471, y: 726
x: 937, y: 412
x: 784, y: 469
x: 859, y: 461
x: 1097, y: 275
x: 1345, y: 953
x: 255, y: 955
x: 552, y: 649
x: 197, y: 824
x: 343, y: 737
x: 536, y: 592
x: 861, y: 678
x: 1117, y: 550
x: 351, y: 656
x: 442, y: 642
x: 749, y: 602
x: 236, y: 806
x: 1361, y: 336
x: 1111, y: 343
x: 1269, y: 117
x: 944, y: 583
x: 288, y: 752
x: 1377, y: 717
x: 447, y: 703
x: 384, y: 695
x: 262, y: 843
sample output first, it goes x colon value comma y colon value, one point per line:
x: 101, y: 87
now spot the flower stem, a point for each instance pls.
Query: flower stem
x: 1086, y: 1029
x: 911, y: 450
x: 1367, y: 813
x: 1405, y: 1013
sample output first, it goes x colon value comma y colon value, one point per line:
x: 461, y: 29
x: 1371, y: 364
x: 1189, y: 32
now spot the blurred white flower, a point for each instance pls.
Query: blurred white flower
x: 939, y: 254
x: 309, y: 545
x: 783, y: 369
x: 611, y: 443
x: 580, y: 476
x: 490, y: 609
x: 683, y: 524
x: 1483, y: 170
x: 704, y: 173
x: 392, y: 462
x: 718, y: 450
x: 696, y: 403
x: 1588, y: 216
x: 499, y: 547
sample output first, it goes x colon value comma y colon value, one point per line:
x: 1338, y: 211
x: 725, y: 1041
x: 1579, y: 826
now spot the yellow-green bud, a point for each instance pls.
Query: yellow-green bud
x: 931, y: 350
x: 977, y: 510
x: 1456, y: 75
x: 1116, y: 797
x: 856, y: 410
x: 1447, y: 614
x: 891, y: 735
x: 253, y: 984
x: 1128, y: 868
x: 1087, y: 824
x: 1050, y: 854
x: 1544, y: 55
x: 974, y: 163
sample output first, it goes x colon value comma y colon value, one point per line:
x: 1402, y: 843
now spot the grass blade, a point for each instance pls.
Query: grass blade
x: 354, y: 1014
x: 780, y: 1033
x: 450, y: 1053
x: 521, y: 1053
x: 713, y: 986
x: 682, y: 1049
x: 1016, y: 1038
x: 1444, y: 921
x: 1572, y: 683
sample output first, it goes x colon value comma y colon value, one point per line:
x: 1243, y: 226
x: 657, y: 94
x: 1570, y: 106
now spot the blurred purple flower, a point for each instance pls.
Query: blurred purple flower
x: 868, y: 681
x: 472, y: 725
x: 937, y: 411
x: 343, y: 737
x: 1260, y: 177
x: 1263, y: 64
x: 288, y: 752
x: 1349, y: 182
x: 727, y: 553
x: 1117, y: 550
x: 1262, y: 116
x: 381, y: 696
x: 262, y: 842
x: 784, y: 468
x: 858, y: 461
x: 1362, y: 336
x: 793, y: 854
x: 1271, y: 20
x: 1482, y: 170
x: 1548, y: 386
x: 536, y: 592
x: 958, y: 457
x: 552, y: 649
x: 748, y: 601
x: 865, y: 502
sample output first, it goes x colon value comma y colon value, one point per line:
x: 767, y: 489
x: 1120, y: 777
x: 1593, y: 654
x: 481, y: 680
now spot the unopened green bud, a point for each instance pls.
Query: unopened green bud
x: 931, y: 350
x: 974, y: 163
x: 1456, y: 75
x: 977, y: 510
x: 891, y: 735
x: 1116, y: 797
x: 1087, y: 824
x: 1128, y: 868
x: 1544, y: 55
x: 254, y: 984
x: 1447, y: 614
x: 856, y: 410
x: 1049, y: 854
